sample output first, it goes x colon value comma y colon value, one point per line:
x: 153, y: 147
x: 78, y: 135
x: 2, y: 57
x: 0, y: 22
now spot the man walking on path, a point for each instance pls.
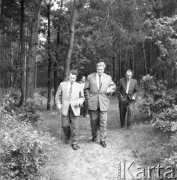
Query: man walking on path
x: 69, y: 98
x: 98, y: 86
x: 126, y: 90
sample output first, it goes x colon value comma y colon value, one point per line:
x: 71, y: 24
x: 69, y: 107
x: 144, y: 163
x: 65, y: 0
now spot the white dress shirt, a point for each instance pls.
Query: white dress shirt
x: 128, y: 84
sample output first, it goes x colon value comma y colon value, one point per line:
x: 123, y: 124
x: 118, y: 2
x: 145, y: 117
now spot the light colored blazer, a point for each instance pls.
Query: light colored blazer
x: 62, y: 97
x: 97, y: 98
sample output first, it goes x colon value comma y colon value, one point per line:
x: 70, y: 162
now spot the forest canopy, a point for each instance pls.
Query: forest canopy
x: 41, y: 40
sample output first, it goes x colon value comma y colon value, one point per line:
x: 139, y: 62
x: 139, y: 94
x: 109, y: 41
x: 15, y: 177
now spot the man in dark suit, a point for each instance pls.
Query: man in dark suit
x: 126, y: 90
x: 98, y: 86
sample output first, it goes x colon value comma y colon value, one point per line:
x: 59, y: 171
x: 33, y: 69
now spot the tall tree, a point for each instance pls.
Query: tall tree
x: 55, y: 74
x: 0, y: 8
x: 22, y: 54
x: 48, y: 4
x: 36, y: 4
x: 71, y: 40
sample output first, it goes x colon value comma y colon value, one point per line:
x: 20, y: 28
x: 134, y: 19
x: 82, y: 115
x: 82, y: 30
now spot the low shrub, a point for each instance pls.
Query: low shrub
x: 29, y: 113
x: 159, y: 104
x: 23, y: 150
x: 172, y: 146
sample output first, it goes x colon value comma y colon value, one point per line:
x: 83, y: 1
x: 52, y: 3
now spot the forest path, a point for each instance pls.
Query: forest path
x: 92, y: 161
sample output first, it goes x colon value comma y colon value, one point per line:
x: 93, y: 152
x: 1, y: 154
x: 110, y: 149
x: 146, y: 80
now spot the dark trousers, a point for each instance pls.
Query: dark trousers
x: 126, y: 114
x: 70, y: 126
x: 98, y: 121
x: 84, y: 108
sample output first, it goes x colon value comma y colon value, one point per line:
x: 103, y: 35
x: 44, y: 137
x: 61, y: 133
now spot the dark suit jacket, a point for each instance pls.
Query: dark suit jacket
x: 98, y: 97
x: 122, y: 86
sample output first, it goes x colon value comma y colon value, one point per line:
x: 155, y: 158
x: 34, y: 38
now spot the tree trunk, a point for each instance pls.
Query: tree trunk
x: 120, y: 62
x: 174, y: 81
x: 114, y: 68
x: 71, y: 41
x: 144, y: 55
x: 0, y: 9
x: 22, y: 58
x: 114, y: 63
x: 55, y: 67
x: 133, y: 59
x: 49, y: 61
x: 55, y: 74
x: 32, y: 51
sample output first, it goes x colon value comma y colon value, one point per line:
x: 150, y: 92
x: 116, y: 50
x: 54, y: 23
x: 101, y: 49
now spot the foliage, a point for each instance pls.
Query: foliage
x: 162, y: 31
x: 172, y: 146
x: 23, y: 150
x: 159, y: 104
x: 10, y: 101
x: 27, y: 112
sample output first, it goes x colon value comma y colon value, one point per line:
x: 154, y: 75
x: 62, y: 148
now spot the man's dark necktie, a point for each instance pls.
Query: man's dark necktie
x: 70, y: 91
x: 99, y: 82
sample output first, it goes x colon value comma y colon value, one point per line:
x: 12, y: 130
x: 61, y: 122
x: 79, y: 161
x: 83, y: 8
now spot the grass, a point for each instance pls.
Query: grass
x: 147, y: 145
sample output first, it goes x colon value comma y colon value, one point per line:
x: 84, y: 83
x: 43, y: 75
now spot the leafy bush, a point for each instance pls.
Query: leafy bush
x: 172, y: 146
x: 23, y: 150
x: 10, y: 101
x: 42, y: 91
x: 158, y: 104
x: 29, y: 113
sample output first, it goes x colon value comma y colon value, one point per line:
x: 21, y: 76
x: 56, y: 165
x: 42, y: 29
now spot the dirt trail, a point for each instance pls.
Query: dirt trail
x: 92, y: 161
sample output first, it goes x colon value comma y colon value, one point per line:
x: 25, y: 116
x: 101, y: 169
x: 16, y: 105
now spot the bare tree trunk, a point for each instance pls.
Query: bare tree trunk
x: 114, y: 61
x: 22, y: 57
x: 49, y: 60
x: 32, y: 51
x: 55, y: 83
x: 174, y: 81
x: 133, y: 59
x: 120, y: 62
x: 71, y: 41
x: 0, y: 9
x: 55, y: 67
x: 144, y: 54
x: 114, y: 68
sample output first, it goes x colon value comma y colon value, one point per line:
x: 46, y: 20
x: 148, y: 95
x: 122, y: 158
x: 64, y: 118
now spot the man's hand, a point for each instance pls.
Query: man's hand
x: 76, y: 104
x: 109, y: 92
x: 59, y: 106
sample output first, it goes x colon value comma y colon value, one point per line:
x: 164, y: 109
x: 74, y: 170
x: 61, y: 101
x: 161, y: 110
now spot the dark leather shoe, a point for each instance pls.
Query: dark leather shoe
x: 75, y: 147
x: 103, y: 143
x: 66, y: 141
x: 94, y: 139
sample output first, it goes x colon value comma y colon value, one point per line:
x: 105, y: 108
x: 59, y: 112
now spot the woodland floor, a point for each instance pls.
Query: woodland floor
x: 91, y: 161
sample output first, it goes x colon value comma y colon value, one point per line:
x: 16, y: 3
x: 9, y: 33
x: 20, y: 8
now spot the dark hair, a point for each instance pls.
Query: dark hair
x: 73, y: 72
x: 129, y: 70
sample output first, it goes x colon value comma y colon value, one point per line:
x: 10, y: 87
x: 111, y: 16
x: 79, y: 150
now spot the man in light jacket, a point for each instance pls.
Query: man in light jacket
x: 69, y: 98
